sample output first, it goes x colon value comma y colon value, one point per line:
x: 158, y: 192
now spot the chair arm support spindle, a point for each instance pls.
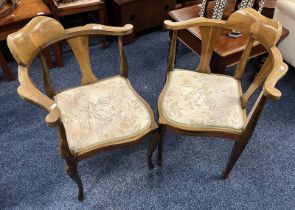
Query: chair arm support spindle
x: 244, y: 59
x: 254, y: 115
x: 172, y: 51
x: 122, y: 58
x: 29, y: 92
x: 278, y: 71
x: 46, y: 77
x: 259, y: 79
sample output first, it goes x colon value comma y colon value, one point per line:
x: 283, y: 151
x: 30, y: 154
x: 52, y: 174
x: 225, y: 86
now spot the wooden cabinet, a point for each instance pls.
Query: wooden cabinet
x: 142, y: 14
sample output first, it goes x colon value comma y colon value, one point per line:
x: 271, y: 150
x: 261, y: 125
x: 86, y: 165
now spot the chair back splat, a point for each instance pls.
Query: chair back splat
x: 80, y: 47
x: 210, y: 36
x: 41, y: 32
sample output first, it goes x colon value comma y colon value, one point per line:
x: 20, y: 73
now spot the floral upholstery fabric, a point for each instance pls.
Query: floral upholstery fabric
x: 198, y: 100
x: 106, y: 111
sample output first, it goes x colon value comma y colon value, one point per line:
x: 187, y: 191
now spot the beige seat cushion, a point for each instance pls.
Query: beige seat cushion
x: 196, y: 100
x: 106, y: 111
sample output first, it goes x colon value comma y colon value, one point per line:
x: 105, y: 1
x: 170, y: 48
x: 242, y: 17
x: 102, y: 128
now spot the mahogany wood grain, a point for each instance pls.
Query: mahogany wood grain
x: 227, y: 51
x: 96, y: 6
x: 24, y: 12
x: 142, y: 14
x: 5, y: 68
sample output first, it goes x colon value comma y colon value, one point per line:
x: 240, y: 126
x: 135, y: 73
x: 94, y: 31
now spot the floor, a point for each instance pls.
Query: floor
x: 32, y: 174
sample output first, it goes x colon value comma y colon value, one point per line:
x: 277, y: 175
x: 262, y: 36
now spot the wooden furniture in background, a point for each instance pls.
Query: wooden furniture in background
x: 5, y: 68
x: 6, y: 7
x: 185, y: 3
x: 227, y: 51
x: 95, y: 117
x: 205, y: 104
x: 269, y: 8
x: 25, y: 11
x: 143, y: 14
x: 77, y: 7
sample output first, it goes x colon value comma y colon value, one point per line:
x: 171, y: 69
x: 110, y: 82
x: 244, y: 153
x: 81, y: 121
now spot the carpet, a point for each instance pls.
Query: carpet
x: 32, y: 174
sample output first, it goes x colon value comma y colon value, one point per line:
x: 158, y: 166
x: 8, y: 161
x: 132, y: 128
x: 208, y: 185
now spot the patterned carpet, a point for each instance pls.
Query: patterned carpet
x: 32, y: 174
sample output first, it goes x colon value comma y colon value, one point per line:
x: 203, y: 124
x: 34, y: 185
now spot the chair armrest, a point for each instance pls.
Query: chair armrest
x: 100, y: 30
x: 199, y: 21
x: 29, y: 92
x: 279, y: 70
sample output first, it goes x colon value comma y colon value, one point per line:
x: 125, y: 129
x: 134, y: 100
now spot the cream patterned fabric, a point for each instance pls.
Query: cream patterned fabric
x: 106, y: 111
x: 198, y: 100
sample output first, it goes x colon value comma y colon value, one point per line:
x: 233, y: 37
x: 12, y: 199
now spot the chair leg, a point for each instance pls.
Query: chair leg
x: 71, y: 167
x: 154, y: 137
x: 234, y: 156
x: 162, y: 129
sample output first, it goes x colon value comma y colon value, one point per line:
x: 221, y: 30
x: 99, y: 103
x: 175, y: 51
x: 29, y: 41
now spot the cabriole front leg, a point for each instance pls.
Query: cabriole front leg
x: 71, y: 168
x: 154, y: 139
x: 162, y: 131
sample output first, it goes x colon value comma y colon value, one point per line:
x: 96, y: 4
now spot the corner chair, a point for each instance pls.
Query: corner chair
x: 97, y: 116
x: 200, y: 103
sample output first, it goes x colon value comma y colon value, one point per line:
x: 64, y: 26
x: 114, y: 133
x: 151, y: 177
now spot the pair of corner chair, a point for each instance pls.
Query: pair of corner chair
x: 107, y: 114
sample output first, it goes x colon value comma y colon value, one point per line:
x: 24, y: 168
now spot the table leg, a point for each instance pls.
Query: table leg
x: 104, y: 21
x: 46, y: 53
x: 57, y: 48
x: 5, y: 68
x: 217, y: 64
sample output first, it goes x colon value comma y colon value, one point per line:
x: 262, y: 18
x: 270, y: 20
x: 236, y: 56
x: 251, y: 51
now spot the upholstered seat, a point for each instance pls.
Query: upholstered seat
x: 103, y: 112
x: 198, y: 100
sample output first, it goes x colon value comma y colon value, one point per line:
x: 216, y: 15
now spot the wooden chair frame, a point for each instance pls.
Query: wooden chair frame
x: 41, y: 32
x: 260, y: 29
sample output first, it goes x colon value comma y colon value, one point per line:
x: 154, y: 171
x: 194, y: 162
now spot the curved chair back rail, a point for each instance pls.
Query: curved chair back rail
x: 41, y: 32
x: 259, y: 29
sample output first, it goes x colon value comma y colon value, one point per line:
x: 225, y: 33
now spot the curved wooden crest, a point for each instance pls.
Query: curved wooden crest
x: 27, y: 42
x: 265, y: 30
